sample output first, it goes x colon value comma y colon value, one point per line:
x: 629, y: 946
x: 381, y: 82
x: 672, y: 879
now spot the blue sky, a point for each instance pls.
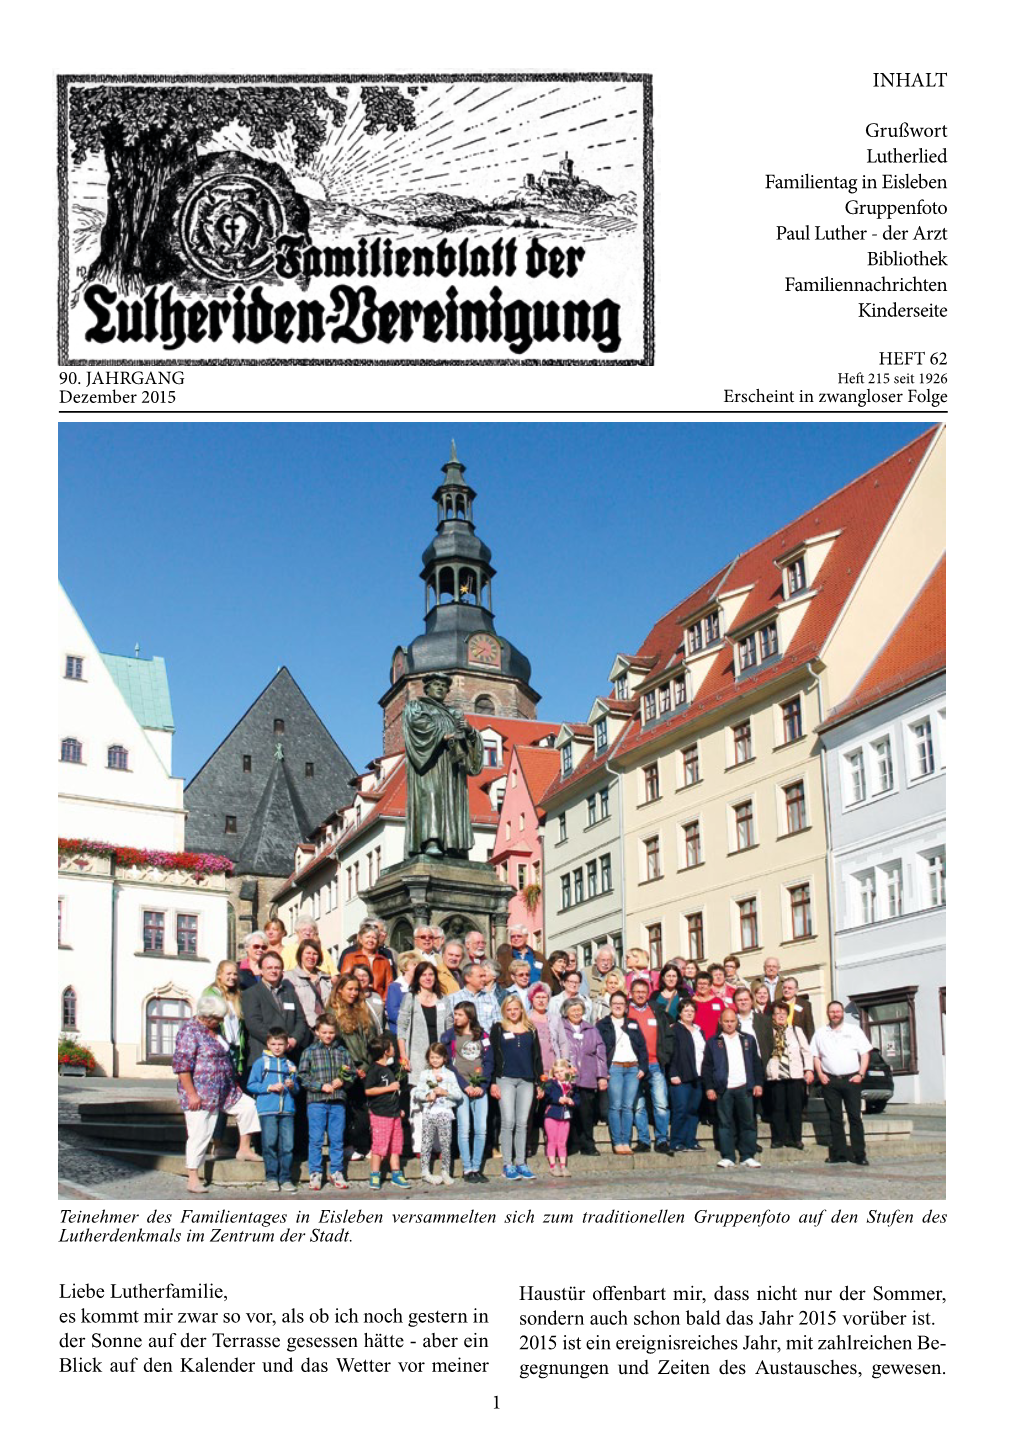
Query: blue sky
x: 232, y: 549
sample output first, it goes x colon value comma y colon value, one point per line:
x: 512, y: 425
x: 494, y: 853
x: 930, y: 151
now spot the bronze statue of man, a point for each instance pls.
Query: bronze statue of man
x: 442, y: 752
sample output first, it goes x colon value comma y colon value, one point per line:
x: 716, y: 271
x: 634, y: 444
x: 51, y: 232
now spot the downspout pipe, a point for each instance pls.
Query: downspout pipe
x: 113, y: 967
x: 816, y: 676
x: 618, y: 775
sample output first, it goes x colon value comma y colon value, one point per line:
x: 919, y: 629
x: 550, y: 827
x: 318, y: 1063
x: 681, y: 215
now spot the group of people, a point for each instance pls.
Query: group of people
x: 391, y: 1056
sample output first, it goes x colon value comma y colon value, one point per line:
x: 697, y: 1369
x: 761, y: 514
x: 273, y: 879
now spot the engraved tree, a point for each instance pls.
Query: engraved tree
x: 146, y: 133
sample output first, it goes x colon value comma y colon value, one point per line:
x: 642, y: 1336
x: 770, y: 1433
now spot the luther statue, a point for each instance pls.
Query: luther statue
x: 443, y: 750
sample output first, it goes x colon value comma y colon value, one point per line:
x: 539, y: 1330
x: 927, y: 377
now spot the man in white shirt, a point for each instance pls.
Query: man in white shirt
x: 841, y: 1050
x: 771, y: 977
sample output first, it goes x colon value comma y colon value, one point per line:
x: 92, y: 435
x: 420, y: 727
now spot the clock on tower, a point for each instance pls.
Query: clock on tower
x: 483, y: 650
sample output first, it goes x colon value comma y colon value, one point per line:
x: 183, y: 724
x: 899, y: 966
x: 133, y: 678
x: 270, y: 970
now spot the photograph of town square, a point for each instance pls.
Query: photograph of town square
x: 635, y: 888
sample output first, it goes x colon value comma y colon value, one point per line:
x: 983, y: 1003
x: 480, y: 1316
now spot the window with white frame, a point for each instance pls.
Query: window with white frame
x: 665, y: 699
x: 621, y: 689
x: 562, y: 824
x: 742, y: 743
x: 692, y: 843
x: 711, y: 627
x: 578, y: 886
x: 592, y: 869
x: 648, y: 702
x: 73, y: 667
x: 795, y: 807
x: 922, y: 748
x: 747, y: 652
x: 567, y: 758
x: 768, y: 637
x: 164, y: 1017
x: 933, y: 891
x: 793, y: 724
x: 891, y: 888
x: 695, y: 935
x: 70, y: 749
x: 187, y: 934
x: 654, y: 939
x: 586, y: 953
x: 153, y: 930
x: 743, y: 825
x: 603, y: 803
x: 653, y: 859
x: 68, y: 1009
x: 680, y: 689
x: 864, y: 897
x: 564, y: 892
x: 606, y: 872
x: 694, y: 638
x: 882, y: 765
x: 747, y: 913
x: 800, y: 911
x: 592, y: 810
x: 651, y: 775
x: 117, y: 758
x: 856, y: 781
x: 601, y: 734
x: 796, y: 576
x: 690, y: 765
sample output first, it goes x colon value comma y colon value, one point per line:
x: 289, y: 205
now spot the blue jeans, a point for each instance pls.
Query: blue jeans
x: 326, y: 1119
x: 277, y: 1146
x: 655, y: 1082
x: 623, y: 1087
x: 472, y: 1110
x: 684, y: 1101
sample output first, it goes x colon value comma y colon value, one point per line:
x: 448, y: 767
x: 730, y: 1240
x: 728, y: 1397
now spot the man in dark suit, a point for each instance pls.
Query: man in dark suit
x: 732, y: 1074
x: 274, y: 1002
x: 518, y: 950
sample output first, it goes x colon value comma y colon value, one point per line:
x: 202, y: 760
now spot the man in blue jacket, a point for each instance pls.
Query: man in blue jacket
x: 732, y: 1075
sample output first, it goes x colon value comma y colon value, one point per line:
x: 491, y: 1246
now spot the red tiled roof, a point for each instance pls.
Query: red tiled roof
x: 540, y: 765
x: 915, y: 650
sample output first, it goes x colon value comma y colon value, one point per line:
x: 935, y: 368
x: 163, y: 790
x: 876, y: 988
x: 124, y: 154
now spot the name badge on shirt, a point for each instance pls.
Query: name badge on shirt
x: 288, y: 1006
x: 508, y: 1036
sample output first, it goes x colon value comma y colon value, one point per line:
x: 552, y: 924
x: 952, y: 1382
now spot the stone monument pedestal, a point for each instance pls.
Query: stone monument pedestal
x: 458, y: 895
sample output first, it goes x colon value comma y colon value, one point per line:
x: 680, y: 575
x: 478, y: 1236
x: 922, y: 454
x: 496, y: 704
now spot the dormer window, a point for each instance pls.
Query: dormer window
x: 694, y: 638
x: 601, y: 734
x: 567, y: 759
x: 649, y: 706
x: 711, y: 625
x: 748, y: 652
x: 665, y: 699
x: 490, y: 753
x: 769, y: 638
x: 622, y: 688
x: 680, y: 689
x: 796, y: 576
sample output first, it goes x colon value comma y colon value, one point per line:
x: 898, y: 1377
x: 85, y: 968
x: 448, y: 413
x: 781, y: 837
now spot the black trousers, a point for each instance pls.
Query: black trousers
x: 785, y: 1110
x: 583, y: 1119
x: 838, y: 1093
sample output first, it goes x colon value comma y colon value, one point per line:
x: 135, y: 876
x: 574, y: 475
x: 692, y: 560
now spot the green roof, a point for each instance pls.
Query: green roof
x: 145, y: 688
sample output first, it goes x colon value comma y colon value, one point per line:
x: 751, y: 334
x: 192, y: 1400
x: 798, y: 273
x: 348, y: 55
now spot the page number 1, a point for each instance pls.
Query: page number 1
x: 495, y: 1403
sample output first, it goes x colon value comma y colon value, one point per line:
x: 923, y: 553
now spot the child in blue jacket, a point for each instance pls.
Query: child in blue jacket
x: 274, y: 1083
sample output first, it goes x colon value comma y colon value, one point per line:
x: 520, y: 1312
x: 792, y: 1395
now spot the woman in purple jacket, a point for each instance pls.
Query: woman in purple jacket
x: 586, y: 1051
x: 470, y: 1056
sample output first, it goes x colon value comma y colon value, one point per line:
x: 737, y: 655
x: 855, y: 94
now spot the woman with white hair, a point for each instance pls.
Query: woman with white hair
x: 207, y: 1085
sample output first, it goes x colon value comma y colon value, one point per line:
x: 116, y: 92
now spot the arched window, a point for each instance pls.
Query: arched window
x: 430, y: 596
x: 468, y: 587
x: 484, y: 706
x: 69, y: 1009
x: 446, y: 591
x: 117, y: 758
x: 164, y: 1017
x: 70, y: 749
x: 460, y: 507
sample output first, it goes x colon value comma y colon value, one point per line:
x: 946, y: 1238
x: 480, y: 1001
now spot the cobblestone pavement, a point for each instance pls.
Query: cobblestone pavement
x: 83, y: 1174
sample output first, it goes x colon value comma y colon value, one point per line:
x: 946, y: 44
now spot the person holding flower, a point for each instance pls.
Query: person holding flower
x: 438, y: 1093
x: 471, y: 1059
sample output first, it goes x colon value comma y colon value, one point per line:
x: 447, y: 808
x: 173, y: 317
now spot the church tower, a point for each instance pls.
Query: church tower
x: 490, y: 676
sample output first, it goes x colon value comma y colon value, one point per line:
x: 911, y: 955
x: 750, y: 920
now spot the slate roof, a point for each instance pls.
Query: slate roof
x: 859, y: 511
x: 145, y: 688
x: 275, y: 803
x: 915, y: 650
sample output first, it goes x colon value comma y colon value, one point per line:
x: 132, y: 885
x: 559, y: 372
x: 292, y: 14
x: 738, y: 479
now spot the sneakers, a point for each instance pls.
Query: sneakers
x: 725, y: 1162
x: 470, y: 1177
x: 315, y: 1182
x: 525, y: 1174
x: 564, y: 1170
x: 340, y: 1182
x: 641, y: 1147
x: 750, y: 1162
x: 375, y: 1182
x: 510, y: 1174
x: 399, y: 1180
x: 288, y: 1186
x: 428, y: 1177
x: 446, y: 1179
x: 273, y: 1186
